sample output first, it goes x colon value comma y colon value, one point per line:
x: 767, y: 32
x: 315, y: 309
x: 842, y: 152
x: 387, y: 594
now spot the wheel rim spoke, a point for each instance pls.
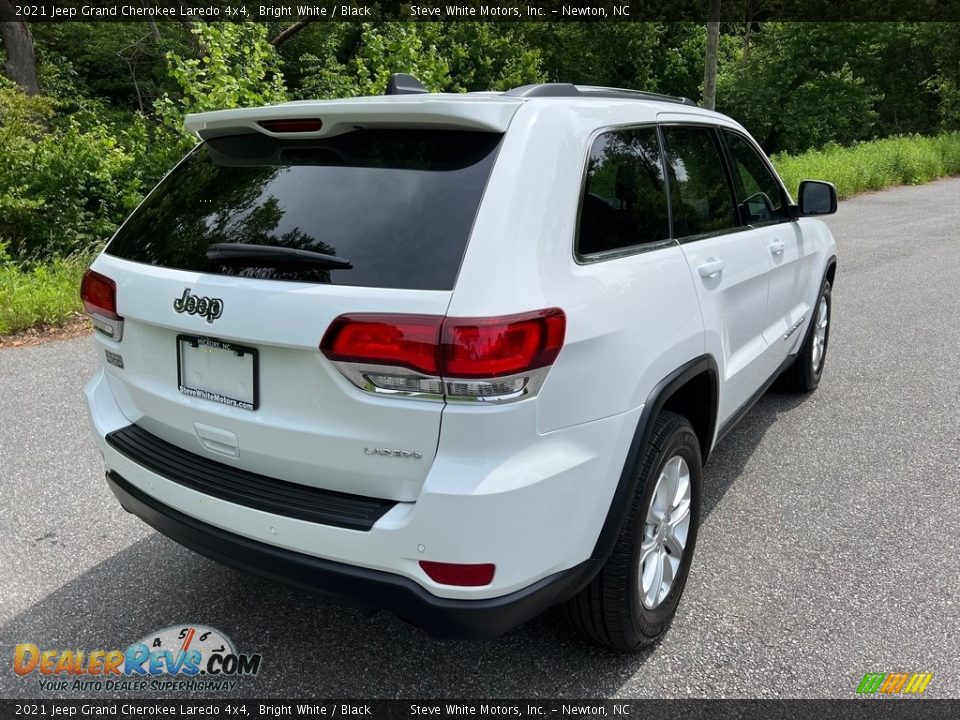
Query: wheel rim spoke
x: 666, y: 527
x: 820, y: 334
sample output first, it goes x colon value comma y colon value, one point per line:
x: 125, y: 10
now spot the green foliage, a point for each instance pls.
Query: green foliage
x: 347, y: 61
x: 907, y: 160
x: 66, y: 181
x: 238, y: 68
x: 791, y: 97
x: 121, y: 63
x: 47, y: 294
x: 945, y: 81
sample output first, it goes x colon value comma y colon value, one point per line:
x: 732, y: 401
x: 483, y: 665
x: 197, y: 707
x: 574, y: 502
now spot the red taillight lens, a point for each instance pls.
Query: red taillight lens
x: 494, y: 347
x: 285, y: 126
x: 99, y: 295
x: 457, y: 574
x: 469, y: 359
x: 402, y: 340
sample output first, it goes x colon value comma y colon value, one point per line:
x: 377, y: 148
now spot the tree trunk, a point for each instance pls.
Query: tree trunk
x: 289, y: 32
x: 21, y: 65
x: 710, y: 64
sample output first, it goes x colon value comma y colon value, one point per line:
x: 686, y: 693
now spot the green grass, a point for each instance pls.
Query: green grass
x: 905, y: 160
x: 44, y: 295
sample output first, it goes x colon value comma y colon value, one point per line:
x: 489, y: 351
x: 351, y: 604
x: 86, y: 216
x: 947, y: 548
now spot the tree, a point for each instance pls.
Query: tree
x: 239, y: 68
x: 805, y: 84
x: 344, y: 60
x: 21, y: 65
x: 710, y: 60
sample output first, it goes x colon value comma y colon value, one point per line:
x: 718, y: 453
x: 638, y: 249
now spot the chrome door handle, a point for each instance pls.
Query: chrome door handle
x: 776, y: 247
x: 710, y: 268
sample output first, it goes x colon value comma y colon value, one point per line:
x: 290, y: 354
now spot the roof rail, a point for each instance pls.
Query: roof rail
x: 591, y: 91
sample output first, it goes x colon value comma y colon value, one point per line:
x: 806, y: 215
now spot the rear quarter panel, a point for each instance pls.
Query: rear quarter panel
x: 630, y: 321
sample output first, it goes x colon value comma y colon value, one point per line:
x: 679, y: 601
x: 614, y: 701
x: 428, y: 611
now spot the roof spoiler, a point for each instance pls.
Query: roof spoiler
x: 334, y: 117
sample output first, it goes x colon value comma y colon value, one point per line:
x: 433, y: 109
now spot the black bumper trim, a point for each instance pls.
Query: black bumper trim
x: 441, y: 617
x: 242, y: 487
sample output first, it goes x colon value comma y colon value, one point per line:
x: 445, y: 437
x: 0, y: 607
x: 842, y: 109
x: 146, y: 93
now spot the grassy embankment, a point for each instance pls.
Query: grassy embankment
x: 47, y: 294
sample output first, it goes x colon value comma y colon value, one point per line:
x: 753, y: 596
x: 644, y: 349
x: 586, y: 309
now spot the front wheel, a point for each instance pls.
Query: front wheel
x: 805, y: 372
x: 634, y: 597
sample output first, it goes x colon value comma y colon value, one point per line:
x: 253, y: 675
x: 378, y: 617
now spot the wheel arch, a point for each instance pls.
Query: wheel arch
x: 831, y: 272
x: 691, y: 390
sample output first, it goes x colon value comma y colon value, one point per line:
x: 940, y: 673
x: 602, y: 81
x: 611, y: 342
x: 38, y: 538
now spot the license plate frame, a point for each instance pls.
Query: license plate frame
x: 216, y: 345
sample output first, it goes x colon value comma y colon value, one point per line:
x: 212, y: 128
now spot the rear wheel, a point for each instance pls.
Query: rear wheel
x: 634, y: 597
x: 805, y: 372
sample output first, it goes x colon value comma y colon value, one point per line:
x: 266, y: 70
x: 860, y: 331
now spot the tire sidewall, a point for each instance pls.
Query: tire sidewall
x: 649, y: 623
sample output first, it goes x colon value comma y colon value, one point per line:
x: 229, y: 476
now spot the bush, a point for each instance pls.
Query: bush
x: 66, y: 182
x: 43, y: 295
x: 906, y: 160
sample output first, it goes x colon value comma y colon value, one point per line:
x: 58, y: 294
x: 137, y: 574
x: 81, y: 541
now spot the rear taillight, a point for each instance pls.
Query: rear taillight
x: 474, y: 359
x: 99, y: 295
x: 403, y: 340
x: 494, y: 347
x: 459, y: 574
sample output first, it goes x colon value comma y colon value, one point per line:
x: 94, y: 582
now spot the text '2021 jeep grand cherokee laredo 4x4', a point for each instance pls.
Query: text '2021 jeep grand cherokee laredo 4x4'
x: 459, y: 356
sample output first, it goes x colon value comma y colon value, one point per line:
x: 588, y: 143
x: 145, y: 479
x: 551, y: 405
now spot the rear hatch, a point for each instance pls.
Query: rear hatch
x: 220, y: 344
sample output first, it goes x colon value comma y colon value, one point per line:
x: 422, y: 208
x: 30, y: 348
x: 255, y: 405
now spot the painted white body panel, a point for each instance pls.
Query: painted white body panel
x: 525, y: 485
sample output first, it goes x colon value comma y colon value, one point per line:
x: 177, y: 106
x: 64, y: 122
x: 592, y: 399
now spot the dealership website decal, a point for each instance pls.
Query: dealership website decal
x: 188, y: 658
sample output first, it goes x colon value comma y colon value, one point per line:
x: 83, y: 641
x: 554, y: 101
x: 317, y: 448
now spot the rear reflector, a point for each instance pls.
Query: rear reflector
x: 457, y: 574
x: 99, y: 295
x: 292, y: 126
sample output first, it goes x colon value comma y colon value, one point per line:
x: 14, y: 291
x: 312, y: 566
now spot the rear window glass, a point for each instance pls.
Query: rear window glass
x: 397, y: 204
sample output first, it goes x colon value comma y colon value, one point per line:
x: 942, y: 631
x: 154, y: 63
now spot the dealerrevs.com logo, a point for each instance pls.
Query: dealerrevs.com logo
x: 191, y: 658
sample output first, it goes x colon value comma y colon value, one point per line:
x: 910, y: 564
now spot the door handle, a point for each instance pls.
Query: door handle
x: 711, y: 267
x: 776, y: 247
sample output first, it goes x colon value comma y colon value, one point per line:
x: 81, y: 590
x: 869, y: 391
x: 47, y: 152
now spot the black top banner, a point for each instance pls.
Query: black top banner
x: 473, y: 11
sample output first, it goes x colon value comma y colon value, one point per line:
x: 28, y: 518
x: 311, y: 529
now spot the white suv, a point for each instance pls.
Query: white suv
x: 459, y: 356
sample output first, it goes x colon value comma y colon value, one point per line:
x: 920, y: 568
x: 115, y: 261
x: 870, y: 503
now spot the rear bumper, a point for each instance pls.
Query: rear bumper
x: 442, y: 617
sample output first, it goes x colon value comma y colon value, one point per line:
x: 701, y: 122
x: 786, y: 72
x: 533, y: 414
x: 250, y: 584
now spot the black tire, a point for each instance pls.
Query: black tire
x: 609, y: 611
x: 804, y: 374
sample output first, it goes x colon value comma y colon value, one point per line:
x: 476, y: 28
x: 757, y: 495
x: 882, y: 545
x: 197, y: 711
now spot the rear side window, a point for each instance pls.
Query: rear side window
x: 624, y: 203
x: 759, y: 195
x: 397, y: 204
x: 699, y: 191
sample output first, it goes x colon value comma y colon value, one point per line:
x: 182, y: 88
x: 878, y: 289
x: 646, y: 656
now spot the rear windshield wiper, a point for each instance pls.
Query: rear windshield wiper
x: 254, y: 255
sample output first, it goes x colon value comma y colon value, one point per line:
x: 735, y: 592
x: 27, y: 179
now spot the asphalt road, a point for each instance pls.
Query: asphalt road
x: 830, y: 545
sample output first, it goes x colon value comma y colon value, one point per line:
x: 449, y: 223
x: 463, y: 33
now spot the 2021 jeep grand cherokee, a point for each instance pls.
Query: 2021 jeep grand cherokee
x: 459, y: 356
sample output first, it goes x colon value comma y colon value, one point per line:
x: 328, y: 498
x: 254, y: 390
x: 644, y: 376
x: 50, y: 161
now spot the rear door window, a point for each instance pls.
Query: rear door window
x: 399, y: 205
x: 700, y: 196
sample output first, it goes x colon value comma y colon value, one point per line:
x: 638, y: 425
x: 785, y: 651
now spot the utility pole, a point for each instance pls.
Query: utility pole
x: 710, y: 63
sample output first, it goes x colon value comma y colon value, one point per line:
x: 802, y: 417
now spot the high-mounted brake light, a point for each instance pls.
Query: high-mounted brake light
x: 99, y: 295
x: 494, y: 359
x: 292, y: 125
x: 459, y: 574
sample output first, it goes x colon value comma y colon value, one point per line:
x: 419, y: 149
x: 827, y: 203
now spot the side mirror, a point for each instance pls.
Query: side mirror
x: 817, y: 198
